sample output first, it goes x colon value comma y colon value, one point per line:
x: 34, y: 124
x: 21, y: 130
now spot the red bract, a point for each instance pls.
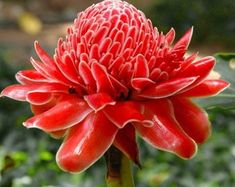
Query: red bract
x: 114, y: 76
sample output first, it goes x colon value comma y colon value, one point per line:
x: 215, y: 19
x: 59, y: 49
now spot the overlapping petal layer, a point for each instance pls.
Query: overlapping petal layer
x: 62, y: 116
x: 86, y: 142
x: 166, y: 133
x: 192, y: 119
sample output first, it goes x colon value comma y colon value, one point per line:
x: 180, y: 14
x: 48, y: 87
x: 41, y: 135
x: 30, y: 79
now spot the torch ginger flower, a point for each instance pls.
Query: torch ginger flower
x: 115, y: 76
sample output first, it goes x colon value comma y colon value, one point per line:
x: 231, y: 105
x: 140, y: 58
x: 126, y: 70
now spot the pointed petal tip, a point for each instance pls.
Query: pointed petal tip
x: 168, y: 88
x: 185, y: 39
x: 14, y: 92
x: 31, y: 59
x: 170, y: 36
x: 191, y: 29
x: 190, y: 33
x: 1, y: 95
x: 36, y: 44
x: 220, y: 86
x: 28, y: 125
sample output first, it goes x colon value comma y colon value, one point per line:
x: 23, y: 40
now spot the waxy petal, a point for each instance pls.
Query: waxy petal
x: 86, y: 143
x: 51, y: 73
x: 99, y: 101
x: 45, y: 58
x: 189, y: 60
x: 200, y: 68
x: 30, y: 77
x: 63, y: 115
x: 119, y: 87
x: 39, y: 98
x: 140, y: 67
x: 167, y: 89
x: 86, y: 75
x: 38, y: 109
x: 170, y: 36
x: 67, y: 68
x: 184, y: 41
x: 192, y: 119
x: 141, y: 83
x: 126, y: 142
x: 102, y: 79
x: 19, y: 92
x: 166, y: 134
x: 206, y: 89
x: 123, y: 112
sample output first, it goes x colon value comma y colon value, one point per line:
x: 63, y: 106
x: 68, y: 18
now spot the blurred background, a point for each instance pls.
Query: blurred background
x: 27, y: 157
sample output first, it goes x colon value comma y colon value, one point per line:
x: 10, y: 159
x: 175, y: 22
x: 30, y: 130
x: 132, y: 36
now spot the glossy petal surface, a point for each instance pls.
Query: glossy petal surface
x: 167, y: 89
x: 123, y: 113
x: 192, y: 119
x: 64, y: 115
x: 206, y: 89
x: 86, y: 143
x: 127, y: 143
x: 19, y: 92
x: 166, y: 133
x: 99, y: 101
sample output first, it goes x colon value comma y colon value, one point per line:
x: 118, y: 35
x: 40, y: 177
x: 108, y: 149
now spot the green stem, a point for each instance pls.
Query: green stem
x: 119, y: 170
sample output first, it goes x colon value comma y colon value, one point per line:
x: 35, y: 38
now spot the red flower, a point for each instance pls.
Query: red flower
x: 115, y: 75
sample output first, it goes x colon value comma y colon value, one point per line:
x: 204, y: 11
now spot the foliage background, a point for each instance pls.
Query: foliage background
x: 27, y: 156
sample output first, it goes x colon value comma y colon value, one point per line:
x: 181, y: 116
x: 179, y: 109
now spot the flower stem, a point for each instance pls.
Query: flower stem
x: 119, y: 170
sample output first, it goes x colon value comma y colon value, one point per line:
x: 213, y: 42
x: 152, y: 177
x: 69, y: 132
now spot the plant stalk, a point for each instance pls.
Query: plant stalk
x: 119, y: 170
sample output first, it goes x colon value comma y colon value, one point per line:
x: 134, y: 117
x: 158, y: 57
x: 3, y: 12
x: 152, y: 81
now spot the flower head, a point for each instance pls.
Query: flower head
x: 115, y: 75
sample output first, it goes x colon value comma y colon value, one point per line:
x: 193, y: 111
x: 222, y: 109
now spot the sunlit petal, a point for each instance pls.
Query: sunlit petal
x: 86, y: 143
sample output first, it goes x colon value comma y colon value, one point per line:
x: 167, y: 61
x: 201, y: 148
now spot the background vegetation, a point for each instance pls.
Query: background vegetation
x: 27, y: 157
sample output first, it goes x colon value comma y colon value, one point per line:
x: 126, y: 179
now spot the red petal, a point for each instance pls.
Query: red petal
x: 206, y: 88
x: 188, y: 61
x: 86, y: 75
x: 141, y: 67
x: 41, y: 68
x: 45, y: 58
x: 184, y: 41
x: 64, y: 115
x: 200, y: 68
x: 19, y: 92
x: 99, y: 101
x: 166, y: 133
x: 67, y: 68
x: 38, y: 109
x: 39, y: 98
x: 86, y: 143
x: 170, y: 36
x: 116, y: 63
x: 123, y: 113
x: 119, y: 87
x: 192, y: 119
x: 167, y: 88
x: 126, y: 142
x: 50, y: 73
x: 102, y: 79
x: 30, y: 77
x: 141, y: 83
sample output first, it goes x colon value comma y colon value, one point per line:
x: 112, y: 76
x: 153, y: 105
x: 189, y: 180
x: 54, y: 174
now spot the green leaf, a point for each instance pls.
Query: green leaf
x: 45, y: 155
x: 225, y: 66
